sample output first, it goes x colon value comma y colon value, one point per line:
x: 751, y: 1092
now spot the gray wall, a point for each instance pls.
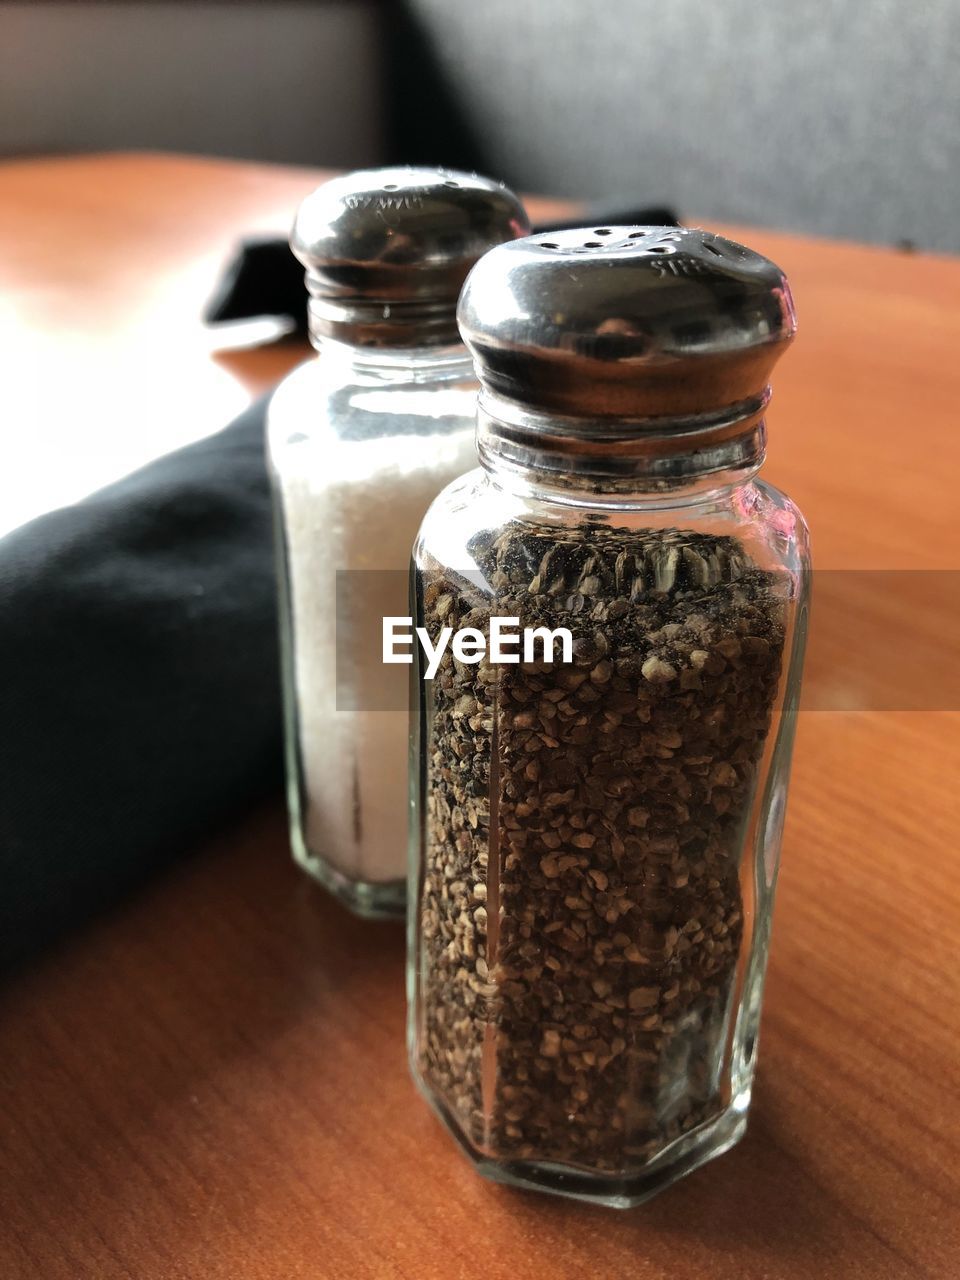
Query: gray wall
x: 834, y: 116
x: 280, y: 81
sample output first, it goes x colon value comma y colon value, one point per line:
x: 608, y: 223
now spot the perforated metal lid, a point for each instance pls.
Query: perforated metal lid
x: 386, y: 251
x: 652, y: 325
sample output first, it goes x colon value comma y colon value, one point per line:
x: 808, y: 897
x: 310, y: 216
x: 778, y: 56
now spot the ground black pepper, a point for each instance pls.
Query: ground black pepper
x: 580, y: 909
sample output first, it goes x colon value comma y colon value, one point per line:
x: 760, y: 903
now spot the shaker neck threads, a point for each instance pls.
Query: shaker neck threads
x: 622, y: 457
x: 625, y: 358
x: 386, y: 252
x: 397, y: 364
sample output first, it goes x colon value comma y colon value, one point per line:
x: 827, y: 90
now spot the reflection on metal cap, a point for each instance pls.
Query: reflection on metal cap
x: 627, y: 322
x: 386, y: 251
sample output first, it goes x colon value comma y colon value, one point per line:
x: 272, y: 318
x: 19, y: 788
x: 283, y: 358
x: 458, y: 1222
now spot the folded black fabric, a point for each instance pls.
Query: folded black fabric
x: 263, y: 278
x: 139, y: 698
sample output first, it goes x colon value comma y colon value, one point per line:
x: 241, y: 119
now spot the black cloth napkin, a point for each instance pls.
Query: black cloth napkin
x: 263, y: 278
x: 139, y: 699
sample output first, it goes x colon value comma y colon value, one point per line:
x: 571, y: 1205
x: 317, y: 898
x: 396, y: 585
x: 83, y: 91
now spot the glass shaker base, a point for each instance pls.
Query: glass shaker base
x: 615, y: 1191
x: 380, y: 900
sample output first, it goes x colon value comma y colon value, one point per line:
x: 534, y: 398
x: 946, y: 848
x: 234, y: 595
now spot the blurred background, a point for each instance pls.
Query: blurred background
x: 815, y: 115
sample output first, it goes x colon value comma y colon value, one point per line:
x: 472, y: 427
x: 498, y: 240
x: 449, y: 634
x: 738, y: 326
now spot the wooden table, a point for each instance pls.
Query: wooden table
x: 211, y: 1084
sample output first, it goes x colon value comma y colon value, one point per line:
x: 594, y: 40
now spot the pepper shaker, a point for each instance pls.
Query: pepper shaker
x: 360, y: 440
x: 598, y: 839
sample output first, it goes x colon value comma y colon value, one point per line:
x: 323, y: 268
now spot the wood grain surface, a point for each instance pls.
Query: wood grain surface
x: 210, y: 1084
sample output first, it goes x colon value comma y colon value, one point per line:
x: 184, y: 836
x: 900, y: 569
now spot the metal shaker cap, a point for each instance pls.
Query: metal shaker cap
x: 674, y: 329
x: 386, y: 251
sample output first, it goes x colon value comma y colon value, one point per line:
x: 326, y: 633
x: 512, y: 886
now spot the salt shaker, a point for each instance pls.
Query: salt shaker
x: 599, y: 837
x: 360, y: 440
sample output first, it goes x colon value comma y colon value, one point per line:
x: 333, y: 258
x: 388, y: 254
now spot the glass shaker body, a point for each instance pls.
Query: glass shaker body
x: 359, y: 442
x: 596, y: 842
